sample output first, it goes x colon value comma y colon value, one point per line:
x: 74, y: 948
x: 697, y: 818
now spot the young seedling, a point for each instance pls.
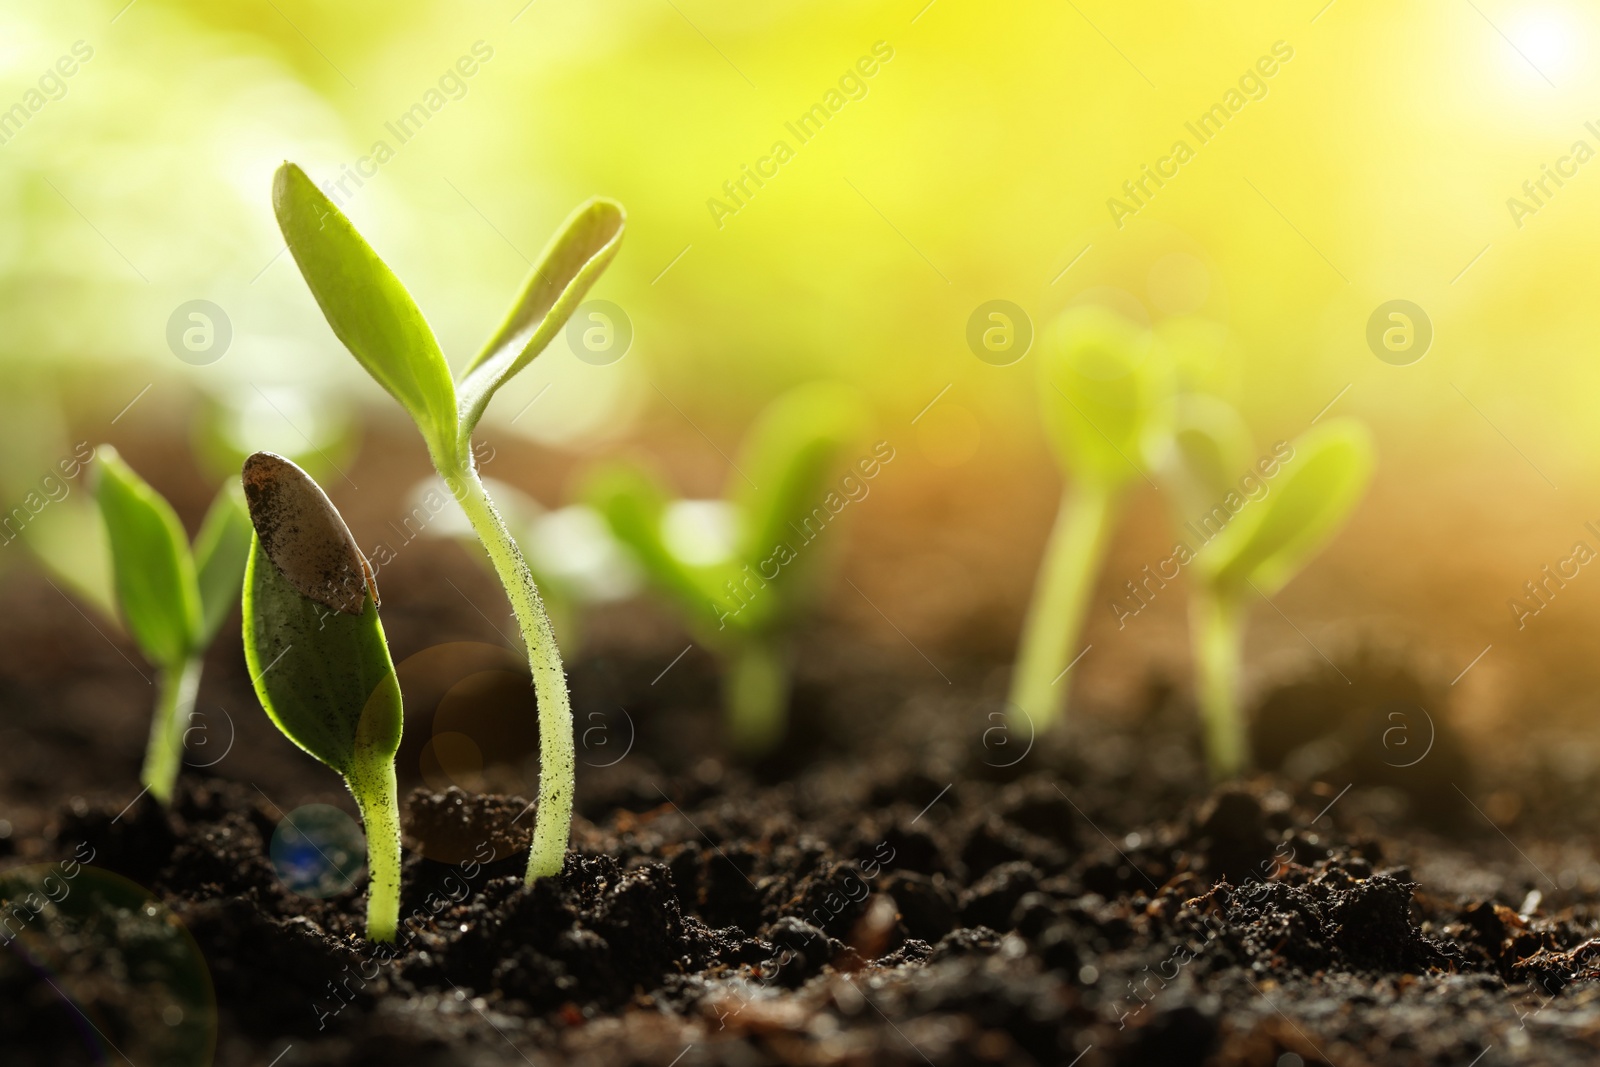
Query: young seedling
x: 1263, y: 545
x: 318, y: 658
x: 1105, y: 388
x: 171, y: 597
x: 373, y: 315
x: 743, y: 570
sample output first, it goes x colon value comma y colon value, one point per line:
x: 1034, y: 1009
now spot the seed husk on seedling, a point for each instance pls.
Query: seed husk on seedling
x: 171, y: 596
x: 376, y: 319
x: 1105, y: 391
x: 744, y: 598
x: 318, y: 659
x: 1261, y: 548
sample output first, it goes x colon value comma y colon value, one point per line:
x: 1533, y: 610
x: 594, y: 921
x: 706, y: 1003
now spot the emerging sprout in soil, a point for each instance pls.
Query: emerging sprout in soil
x: 1309, y: 488
x: 320, y: 664
x: 744, y: 569
x: 171, y: 597
x: 375, y: 318
x: 1105, y: 388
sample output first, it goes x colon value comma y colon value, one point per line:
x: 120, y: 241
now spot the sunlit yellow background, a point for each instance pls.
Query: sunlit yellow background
x: 975, y: 163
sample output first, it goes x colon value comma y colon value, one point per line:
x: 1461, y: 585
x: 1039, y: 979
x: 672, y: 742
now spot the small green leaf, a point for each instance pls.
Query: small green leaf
x: 221, y: 549
x: 1106, y: 391
x: 633, y: 502
x: 792, y: 458
x: 569, y: 265
x: 368, y: 308
x: 153, y: 571
x: 324, y: 677
x: 1273, y: 538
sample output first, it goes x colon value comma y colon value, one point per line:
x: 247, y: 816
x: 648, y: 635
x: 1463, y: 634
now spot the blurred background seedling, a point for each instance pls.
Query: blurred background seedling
x: 743, y: 570
x: 1255, y: 544
x: 171, y: 596
x: 1105, y: 394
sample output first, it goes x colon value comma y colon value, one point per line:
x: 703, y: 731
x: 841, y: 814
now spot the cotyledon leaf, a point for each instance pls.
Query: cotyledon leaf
x: 221, y: 549
x: 304, y: 535
x: 586, y: 243
x: 152, y: 568
x: 369, y: 309
x: 1313, y: 496
x: 324, y: 677
x: 1106, y: 393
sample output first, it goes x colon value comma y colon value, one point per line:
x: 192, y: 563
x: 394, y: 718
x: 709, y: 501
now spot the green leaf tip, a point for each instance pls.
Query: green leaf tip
x: 368, y: 308
x: 576, y: 256
x: 153, y: 570
x: 1106, y: 392
x: 1270, y: 541
x: 221, y: 549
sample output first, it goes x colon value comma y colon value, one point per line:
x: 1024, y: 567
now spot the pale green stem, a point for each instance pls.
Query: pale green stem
x: 1060, y: 602
x: 1217, y: 626
x: 755, y: 695
x: 163, y: 756
x: 372, y: 783
x: 553, y: 820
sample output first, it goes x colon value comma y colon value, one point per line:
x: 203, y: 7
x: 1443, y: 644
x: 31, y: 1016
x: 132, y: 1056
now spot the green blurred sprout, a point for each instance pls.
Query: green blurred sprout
x: 318, y: 658
x: 1105, y: 388
x: 171, y: 597
x: 1307, y: 491
x: 376, y: 319
x: 743, y: 570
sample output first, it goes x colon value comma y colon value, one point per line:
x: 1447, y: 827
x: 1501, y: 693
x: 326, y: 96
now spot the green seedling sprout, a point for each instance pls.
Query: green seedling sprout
x: 318, y: 658
x: 744, y: 596
x: 1263, y: 545
x: 172, y: 597
x: 376, y: 319
x: 1105, y: 389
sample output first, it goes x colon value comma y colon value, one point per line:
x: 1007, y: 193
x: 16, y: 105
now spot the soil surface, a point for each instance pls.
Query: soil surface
x: 910, y: 883
x: 916, y: 877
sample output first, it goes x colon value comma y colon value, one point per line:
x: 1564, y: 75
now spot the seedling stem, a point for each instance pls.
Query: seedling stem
x: 177, y: 687
x: 372, y: 783
x: 1073, y: 557
x: 1217, y: 623
x: 757, y: 692
x: 557, y: 757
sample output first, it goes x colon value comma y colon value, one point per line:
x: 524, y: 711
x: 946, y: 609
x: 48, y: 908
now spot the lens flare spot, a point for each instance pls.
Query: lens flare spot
x: 452, y: 758
x: 318, y: 851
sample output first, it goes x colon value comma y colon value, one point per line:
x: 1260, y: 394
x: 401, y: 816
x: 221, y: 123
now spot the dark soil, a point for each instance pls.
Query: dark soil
x: 891, y: 891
